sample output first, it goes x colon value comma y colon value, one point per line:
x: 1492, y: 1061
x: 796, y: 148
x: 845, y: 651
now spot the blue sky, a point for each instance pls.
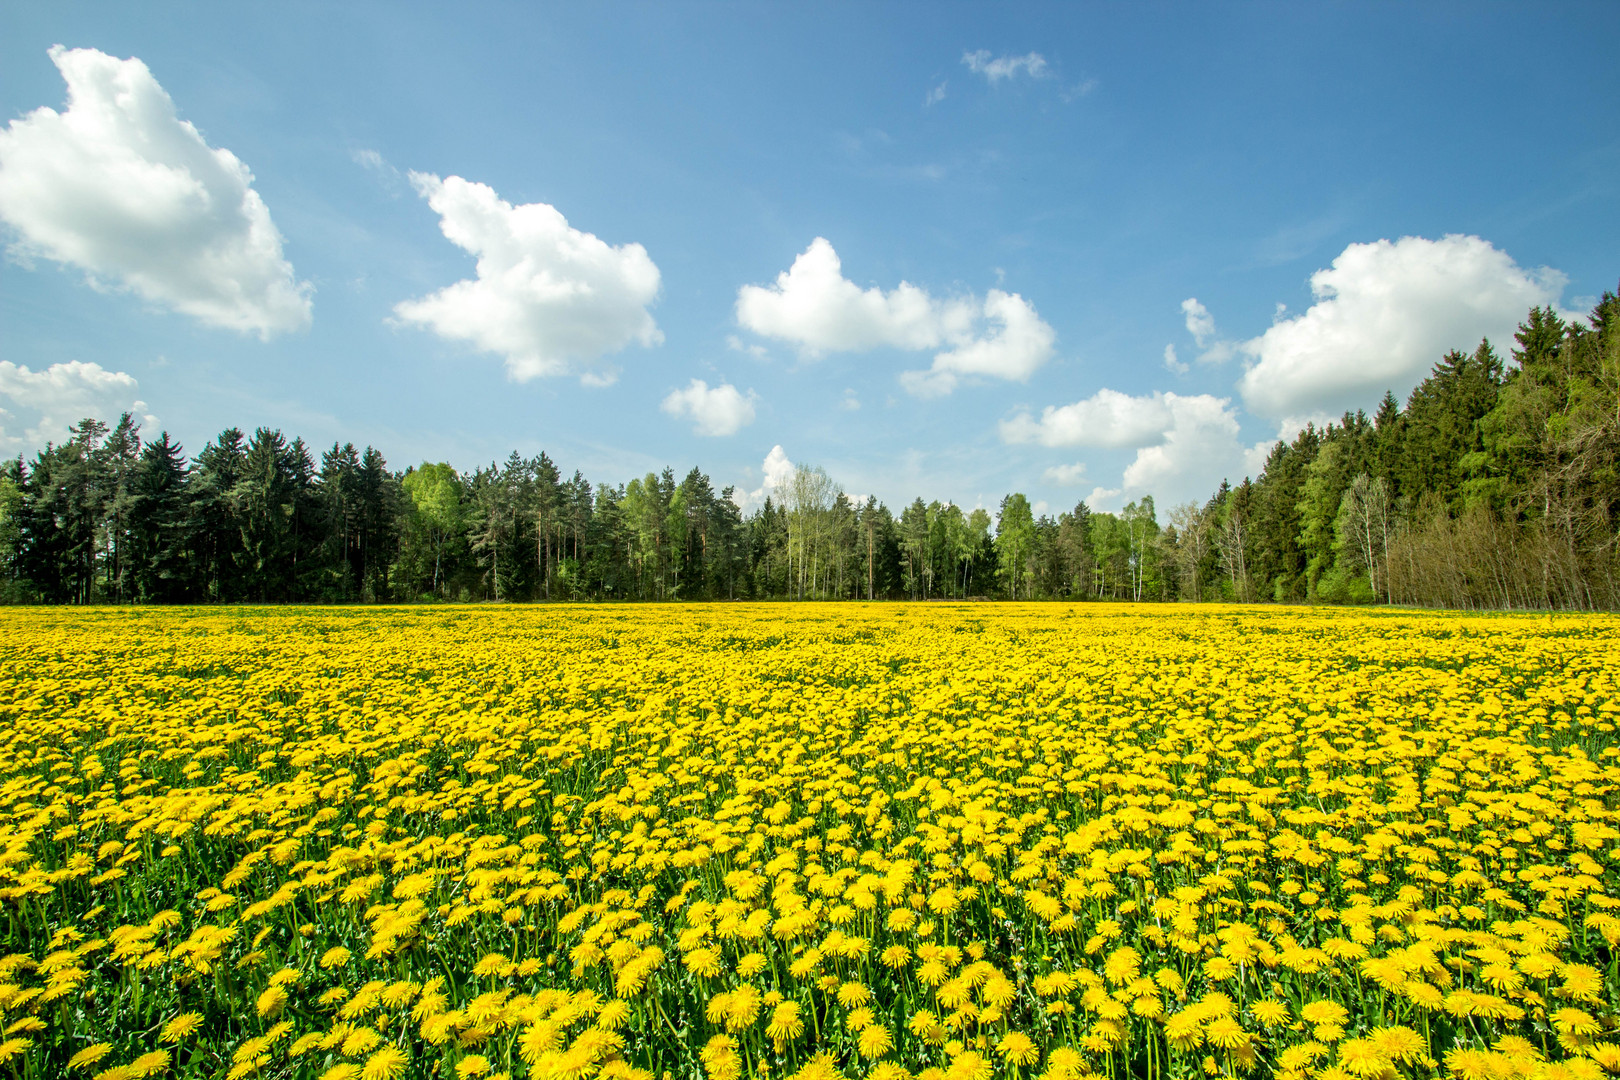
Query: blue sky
x: 1053, y: 239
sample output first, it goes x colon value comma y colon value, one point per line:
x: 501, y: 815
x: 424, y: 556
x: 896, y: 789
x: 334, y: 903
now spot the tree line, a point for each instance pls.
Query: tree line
x: 1496, y: 485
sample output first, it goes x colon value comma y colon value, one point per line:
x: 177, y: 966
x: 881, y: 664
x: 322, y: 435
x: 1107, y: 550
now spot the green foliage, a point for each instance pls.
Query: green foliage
x: 1497, y: 485
x: 1342, y: 585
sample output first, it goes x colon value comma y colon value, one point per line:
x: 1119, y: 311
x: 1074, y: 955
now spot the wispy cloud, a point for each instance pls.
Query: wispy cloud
x: 1078, y: 90
x: 997, y: 68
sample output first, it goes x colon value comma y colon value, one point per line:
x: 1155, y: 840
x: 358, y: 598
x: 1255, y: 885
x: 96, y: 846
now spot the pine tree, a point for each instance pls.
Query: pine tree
x: 160, y: 525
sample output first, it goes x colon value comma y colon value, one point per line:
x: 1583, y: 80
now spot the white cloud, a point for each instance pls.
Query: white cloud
x: 1005, y: 67
x: 59, y: 397
x: 778, y: 469
x: 1067, y: 475
x: 935, y: 96
x: 1107, y: 418
x: 1197, y: 449
x: 735, y: 343
x: 1384, y: 314
x: 1200, y: 324
x: 850, y: 402
x: 1020, y: 345
x: 1254, y: 458
x: 1079, y: 90
x: 814, y: 306
x: 1184, y: 444
x: 122, y: 188
x: 1172, y: 363
x: 721, y: 410
x: 778, y: 475
x: 550, y: 299
x: 374, y: 162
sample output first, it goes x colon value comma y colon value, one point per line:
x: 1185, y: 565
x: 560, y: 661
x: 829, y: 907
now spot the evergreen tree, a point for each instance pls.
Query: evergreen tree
x: 160, y: 527
x: 215, y: 473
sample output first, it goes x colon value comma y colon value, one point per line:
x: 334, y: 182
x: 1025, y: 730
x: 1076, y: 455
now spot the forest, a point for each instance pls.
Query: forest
x: 1495, y: 486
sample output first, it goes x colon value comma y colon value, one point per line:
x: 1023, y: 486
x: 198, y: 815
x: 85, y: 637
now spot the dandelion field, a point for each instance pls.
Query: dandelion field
x: 709, y: 843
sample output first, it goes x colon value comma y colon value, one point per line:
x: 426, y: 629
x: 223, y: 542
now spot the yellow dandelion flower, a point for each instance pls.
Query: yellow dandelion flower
x: 359, y: 1042
x: 1324, y: 1012
x: 1226, y: 1033
x: 1297, y: 1058
x: 386, y: 1064
x: 1424, y: 994
x: 786, y: 1023
x: 1184, y: 1030
x: 851, y: 994
x: 1571, y: 1021
x: 181, y: 1027
x: 1364, y: 1058
x: 874, y: 1041
x: 1016, y: 1048
x: 704, y: 962
x: 1466, y: 1064
x: 1397, y: 1043
x: 149, y: 1064
x: 491, y: 964
x: 1270, y: 1012
x: 272, y: 1001
x: 89, y: 1055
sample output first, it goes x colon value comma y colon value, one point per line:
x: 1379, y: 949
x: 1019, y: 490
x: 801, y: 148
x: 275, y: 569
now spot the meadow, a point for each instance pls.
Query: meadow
x: 941, y: 842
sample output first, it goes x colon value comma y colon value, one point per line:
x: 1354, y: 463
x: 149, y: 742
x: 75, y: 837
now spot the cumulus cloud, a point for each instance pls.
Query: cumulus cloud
x: 122, y: 188
x: 60, y: 396
x: 721, y: 410
x: 1201, y: 442
x: 1384, y: 314
x: 1067, y: 475
x: 1200, y: 323
x: 1107, y: 418
x: 548, y: 298
x: 1185, y: 444
x: 777, y: 471
x: 935, y: 96
x: 814, y: 306
x: 980, y: 62
x: 1020, y: 344
x: 1173, y: 363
